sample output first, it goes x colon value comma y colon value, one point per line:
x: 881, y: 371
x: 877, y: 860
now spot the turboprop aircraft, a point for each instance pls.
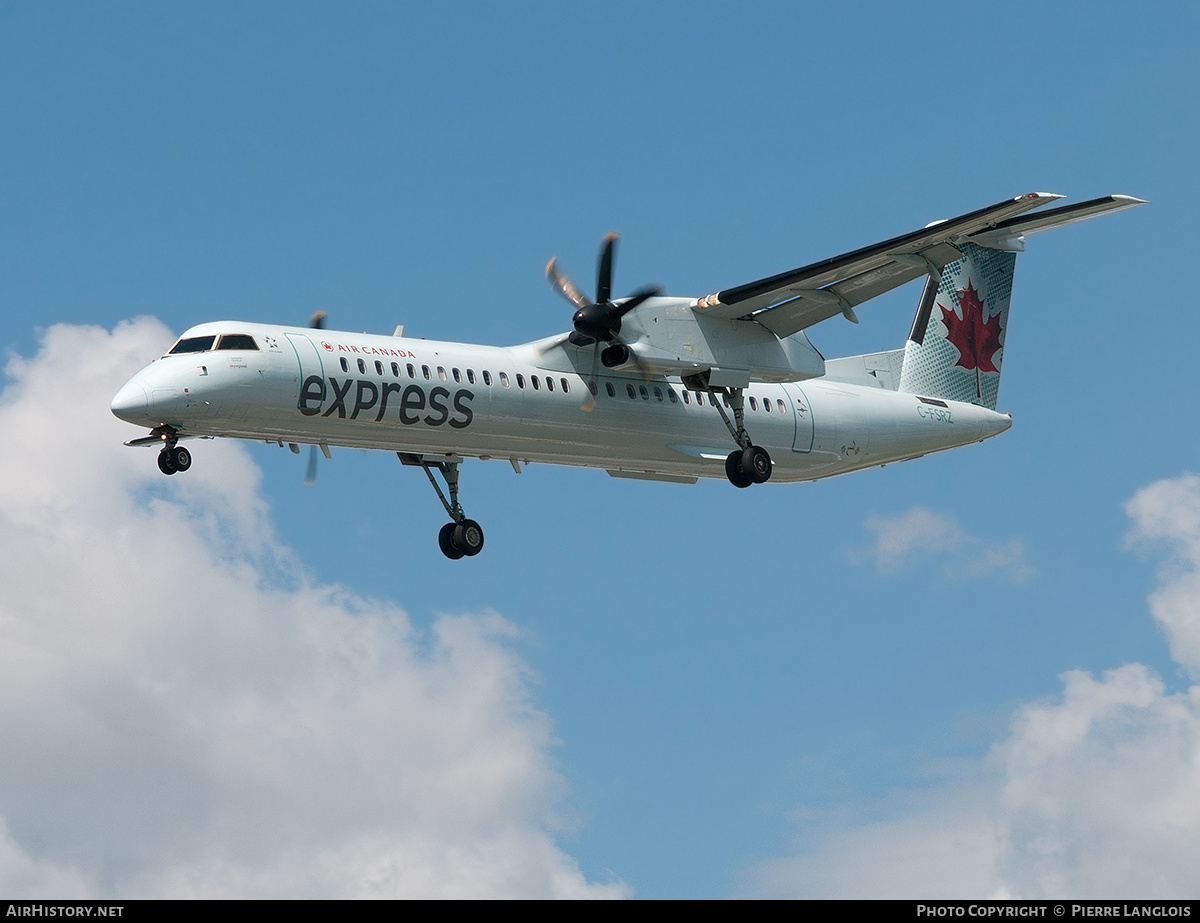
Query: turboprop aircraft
x: 650, y: 386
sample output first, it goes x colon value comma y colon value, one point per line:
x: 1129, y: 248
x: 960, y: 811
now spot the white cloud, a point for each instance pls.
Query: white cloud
x: 1094, y: 794
x: 919, y: 535
x: 185, y: 712
x: 1168, y: 512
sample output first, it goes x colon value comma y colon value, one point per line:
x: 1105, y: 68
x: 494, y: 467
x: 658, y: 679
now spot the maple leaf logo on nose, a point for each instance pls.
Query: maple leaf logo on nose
x: 976, y: 340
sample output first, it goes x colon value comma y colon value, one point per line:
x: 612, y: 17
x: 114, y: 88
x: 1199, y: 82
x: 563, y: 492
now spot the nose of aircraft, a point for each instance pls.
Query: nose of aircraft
x: 130, y: 402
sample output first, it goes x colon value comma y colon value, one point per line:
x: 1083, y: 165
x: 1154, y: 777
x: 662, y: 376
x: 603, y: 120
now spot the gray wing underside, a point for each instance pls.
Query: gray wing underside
x: 791, y: 301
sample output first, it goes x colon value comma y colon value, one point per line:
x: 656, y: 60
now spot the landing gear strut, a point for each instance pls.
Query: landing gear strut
x: 750, y: 464
x: 461, y: 536
x: 173, y: 456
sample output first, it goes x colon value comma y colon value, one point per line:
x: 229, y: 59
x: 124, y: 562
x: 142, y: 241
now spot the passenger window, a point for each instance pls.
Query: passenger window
x: 753, y: 404
x: 781, y: 407
x: 549, y: 383
x: 470, y: 376
x: 608, y: 386
x: 534, y: 379
x: 504, y: 379
x: 591, y: 387
x: 192, y: 345
x: 362, y: 367
x: 441, y: 373
x: 632, y: 393
x: 425, y: 371
x: 658, y: 393
x: 671, y: 395
x: 395, y: 370
x: 520, y: 380
x: 239, y: 341
x: 567, y: 387
x: 457, y: 375
x: 686, y: 399
x: 378, y: 368
x: 412, y: 373
x: 644, y: 392
x: 487, y: 378
x: 345, y: 365
x: 767, y: 404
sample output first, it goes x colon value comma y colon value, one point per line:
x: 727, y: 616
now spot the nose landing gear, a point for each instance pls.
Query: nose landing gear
x: 174, y: 458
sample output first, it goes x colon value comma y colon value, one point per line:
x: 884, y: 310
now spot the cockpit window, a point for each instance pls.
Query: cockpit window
x: 237, y: 341
x: 192, y: 345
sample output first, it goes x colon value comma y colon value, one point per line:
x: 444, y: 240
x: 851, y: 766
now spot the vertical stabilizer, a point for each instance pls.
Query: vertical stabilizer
x: 957, y: 341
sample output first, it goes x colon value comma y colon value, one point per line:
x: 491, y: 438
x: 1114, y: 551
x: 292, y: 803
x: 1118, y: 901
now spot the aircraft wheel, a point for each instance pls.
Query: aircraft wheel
x: 166, y: 464
x: 756, y: 463
x: 468, y: 537
x: 446, y: 541
x: 733, y: 470
x: 181, y: 458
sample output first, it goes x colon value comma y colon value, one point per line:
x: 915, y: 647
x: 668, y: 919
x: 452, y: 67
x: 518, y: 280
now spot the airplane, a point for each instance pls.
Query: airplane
x: 649, y: 386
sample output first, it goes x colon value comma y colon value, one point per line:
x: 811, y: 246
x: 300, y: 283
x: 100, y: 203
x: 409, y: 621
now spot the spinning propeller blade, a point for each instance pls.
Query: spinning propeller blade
x: 600, y: 319
x: 311, y: 477
x: 565, y: 286
x: 317, y: 322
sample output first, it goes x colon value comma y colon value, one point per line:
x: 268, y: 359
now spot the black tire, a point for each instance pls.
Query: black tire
x: 468, y: 537
x: 756, y: 463
x: 446, y: 541
x: 165, y: 463
x: 181, y: 458
x: 733, y: 470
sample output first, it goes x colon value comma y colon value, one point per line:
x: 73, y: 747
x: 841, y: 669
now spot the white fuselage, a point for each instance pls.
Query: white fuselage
x: 525, y: 404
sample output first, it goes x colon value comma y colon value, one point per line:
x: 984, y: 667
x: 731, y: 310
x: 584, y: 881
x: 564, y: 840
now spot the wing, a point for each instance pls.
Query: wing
x: 794, y: 300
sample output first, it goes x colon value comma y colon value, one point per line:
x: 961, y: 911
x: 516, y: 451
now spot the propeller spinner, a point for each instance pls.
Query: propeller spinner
x: 598, y: 320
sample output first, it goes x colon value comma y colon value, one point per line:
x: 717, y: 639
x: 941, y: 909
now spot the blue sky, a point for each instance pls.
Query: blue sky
x: 731, y: 686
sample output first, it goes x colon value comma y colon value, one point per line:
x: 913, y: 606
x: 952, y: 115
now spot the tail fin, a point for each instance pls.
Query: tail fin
x: 957, y: 341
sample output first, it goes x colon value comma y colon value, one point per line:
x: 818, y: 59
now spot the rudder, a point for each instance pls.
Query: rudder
x: 957, y: 342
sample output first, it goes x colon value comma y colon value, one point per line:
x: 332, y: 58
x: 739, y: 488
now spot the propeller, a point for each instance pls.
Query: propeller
x: 598, y: 321
x: 317, y: 322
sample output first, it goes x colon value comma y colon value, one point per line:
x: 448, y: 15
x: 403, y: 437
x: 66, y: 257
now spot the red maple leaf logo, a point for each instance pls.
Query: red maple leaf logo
x: 975, y: 339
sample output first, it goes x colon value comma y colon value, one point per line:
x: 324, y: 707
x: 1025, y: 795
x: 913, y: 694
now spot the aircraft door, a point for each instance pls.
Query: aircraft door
x: 311, y: 386
x: 802, y: 414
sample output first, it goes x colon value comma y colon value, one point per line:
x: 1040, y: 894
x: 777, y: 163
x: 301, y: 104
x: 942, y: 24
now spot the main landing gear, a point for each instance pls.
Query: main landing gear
x: 750, y: 464
x: 461, y: 537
